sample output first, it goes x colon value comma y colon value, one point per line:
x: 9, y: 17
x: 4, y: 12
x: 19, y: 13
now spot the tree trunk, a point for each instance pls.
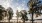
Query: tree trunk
x: 17, y: 19
x: 32, y: 17
x: 23, y: 21
x: 9, y: 21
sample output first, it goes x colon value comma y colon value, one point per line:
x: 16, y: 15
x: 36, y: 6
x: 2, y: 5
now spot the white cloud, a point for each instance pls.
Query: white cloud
x: 19, y: 8
x: 5, y: 3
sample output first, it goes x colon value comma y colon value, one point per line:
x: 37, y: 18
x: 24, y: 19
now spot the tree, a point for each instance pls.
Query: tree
x: 34, y: 8
x: 18, y: 15
x: 24, y: 15
x: 2, y: 9
x: 10, y: 13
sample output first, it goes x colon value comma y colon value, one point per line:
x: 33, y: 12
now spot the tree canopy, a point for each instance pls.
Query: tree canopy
x: 24, y: 15
x: 2, y: 9
x: 10, y: 12
x: 34, y: 6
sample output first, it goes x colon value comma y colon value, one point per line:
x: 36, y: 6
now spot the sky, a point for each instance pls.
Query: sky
x: 15, y: 5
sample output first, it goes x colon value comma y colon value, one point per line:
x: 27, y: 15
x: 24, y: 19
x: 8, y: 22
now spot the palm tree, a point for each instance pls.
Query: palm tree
x: 24, y: 15
x: 18, y: 15
x: 2, y: 9
x: 33, y: 7
x: 10, y: 13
